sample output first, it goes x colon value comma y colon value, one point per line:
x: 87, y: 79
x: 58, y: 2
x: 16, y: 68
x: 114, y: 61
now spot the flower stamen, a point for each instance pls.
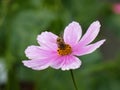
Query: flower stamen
x: 67, y: 50
x: 63, y: 49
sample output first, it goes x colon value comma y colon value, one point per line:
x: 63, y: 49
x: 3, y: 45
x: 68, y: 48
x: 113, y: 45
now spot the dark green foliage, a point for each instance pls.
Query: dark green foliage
x: 22, y: 20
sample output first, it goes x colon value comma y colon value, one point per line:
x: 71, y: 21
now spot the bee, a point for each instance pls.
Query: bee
x: 60, y: 43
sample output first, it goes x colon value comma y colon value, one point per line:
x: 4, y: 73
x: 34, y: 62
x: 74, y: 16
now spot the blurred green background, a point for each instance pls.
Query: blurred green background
x: 22, y: 20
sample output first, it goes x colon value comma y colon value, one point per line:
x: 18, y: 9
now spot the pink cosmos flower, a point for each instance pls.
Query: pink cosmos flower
x: 116, y: 8
x: 61, y: 53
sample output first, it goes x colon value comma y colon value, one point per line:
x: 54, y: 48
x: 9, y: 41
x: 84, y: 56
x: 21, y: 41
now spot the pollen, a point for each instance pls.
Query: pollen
x: 64, y: 51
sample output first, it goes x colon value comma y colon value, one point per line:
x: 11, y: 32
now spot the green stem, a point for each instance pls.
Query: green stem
x: 73, y: 79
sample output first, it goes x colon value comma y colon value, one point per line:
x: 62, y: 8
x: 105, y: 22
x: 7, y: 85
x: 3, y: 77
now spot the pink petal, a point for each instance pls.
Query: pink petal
x: 88, y: 49
x: 71, y: 62
x: 72, y: 33
x: 66, y: 63
x: 91, y: 33
x: 47, y: 40
x: 37, y: 64
x: 37, y: 52
x: 58, y: 62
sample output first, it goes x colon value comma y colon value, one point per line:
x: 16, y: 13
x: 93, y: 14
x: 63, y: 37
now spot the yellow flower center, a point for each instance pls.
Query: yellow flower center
x: 63, y: 49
